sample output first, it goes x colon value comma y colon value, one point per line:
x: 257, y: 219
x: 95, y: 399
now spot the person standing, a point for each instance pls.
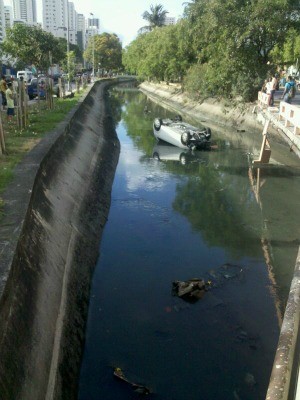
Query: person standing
x: 10, y: 102
x: 3, y: 88
x: 274, y: 83
x: 289, y: 90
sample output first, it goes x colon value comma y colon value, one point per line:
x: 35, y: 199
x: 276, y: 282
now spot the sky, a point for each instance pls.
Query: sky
x: 123, y: 17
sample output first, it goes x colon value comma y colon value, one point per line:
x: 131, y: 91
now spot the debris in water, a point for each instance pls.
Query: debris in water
x: 140, y: 389
x: 249, y: 379
x: 190, y: 290
x: 235, y: 395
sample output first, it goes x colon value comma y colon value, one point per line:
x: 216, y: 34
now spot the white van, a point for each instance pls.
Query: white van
x: 27, y: 75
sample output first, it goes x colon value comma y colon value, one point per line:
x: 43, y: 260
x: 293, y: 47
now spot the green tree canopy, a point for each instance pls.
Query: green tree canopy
x: 163, y: 54
x: 106, y: 50
x: 72, y: 47
x: 155, y: 18
x: 32, y: 45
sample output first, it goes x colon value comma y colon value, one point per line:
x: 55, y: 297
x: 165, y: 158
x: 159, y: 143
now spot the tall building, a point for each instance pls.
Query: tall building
x: 55, y: 16
x: 25, y: 10
x: 93, y: 23
x: 2, y: 21
x: 81, y: 31
x: 170, y: 21
x: 8, y: 16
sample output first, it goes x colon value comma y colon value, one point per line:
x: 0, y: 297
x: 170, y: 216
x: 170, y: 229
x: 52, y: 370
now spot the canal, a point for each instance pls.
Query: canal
x: 176, y: 216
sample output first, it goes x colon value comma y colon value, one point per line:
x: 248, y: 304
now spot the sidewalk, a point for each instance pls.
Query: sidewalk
x: 278, y: 98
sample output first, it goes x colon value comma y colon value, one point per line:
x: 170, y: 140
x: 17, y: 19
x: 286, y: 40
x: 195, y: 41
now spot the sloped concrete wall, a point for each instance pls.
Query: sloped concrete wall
x: 45, y: 277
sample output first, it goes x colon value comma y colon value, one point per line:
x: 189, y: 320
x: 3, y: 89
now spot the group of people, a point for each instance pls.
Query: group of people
x: 271, y: 85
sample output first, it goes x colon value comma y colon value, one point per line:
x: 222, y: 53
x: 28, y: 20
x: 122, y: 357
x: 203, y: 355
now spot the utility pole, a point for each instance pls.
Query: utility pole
x: 68, y: 47
x: 93, y: 38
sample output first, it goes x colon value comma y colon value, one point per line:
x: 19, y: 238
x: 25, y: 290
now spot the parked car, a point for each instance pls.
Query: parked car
x: 32, y: 88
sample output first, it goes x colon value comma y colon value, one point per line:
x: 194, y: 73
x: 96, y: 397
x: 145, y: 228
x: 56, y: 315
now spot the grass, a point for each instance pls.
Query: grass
x: 19, y: 142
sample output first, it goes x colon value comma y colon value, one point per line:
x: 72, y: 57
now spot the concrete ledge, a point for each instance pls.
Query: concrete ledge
x: 284, y: 375
x: 46, y: 270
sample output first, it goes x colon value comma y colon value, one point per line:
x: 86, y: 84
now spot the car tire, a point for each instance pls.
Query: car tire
x: 208, y: 133
x: 178, y: 118
x: 157, y: 124
x: 183, y: 159
x: 185, y: 138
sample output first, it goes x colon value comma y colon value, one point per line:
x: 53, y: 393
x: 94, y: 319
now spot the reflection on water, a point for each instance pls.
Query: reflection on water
x: 178, y: 215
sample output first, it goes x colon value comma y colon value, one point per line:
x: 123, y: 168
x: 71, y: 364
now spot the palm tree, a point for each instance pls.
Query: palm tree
x: 156, y: 17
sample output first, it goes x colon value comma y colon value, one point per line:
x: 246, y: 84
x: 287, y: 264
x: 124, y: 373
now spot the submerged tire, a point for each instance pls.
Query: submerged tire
x: 185, y: 138
x: 157, y: 124
x: 178, y: 118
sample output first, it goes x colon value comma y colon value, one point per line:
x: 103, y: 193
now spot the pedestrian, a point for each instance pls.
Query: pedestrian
x: 10, y: 102
x: 274, y: 83
x: 289, y: 90
x: 3, y: 88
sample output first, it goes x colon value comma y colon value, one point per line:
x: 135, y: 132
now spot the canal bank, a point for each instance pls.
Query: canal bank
x: 55, y: 210
x: 239, y: 116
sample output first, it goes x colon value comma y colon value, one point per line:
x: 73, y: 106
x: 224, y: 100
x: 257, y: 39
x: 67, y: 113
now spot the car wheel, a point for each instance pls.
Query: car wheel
x: 178, y: 118
x: 185, y: 138
x: 183, y: 159
x: 157, y: 124
x: 208, y: 133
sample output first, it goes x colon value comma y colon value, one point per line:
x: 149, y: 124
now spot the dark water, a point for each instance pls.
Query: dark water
x: 176, y: 216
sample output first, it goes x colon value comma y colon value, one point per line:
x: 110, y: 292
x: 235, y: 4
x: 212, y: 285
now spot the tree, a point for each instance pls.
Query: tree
x: 69, y: 65
x: 72, y: 47
x: 156, y: 18
x: 105, y: 50
x: 32, y: 45
x: 233, y: 42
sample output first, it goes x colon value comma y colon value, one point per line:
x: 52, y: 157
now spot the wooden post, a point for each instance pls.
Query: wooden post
x: 20, y: 107
x: 265, y: 151
x: 2, y: 139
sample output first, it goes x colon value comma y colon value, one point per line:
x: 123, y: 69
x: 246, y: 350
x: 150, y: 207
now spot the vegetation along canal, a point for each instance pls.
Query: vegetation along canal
x: 176, y: 216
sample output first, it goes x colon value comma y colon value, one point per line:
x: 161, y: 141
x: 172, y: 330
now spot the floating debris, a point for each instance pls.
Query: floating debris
x: 137, y: 388
x: 190, y: 290
x: 249, y: 379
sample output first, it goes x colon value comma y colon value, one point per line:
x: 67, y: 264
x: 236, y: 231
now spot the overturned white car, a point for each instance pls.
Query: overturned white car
x: 181, y: 134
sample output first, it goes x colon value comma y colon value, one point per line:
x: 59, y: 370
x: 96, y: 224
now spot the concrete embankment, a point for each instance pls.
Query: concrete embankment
x: 55, y: 212
x: 219, y: 112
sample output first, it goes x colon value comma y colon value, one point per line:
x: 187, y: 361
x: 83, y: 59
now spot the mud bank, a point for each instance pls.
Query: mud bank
x: 240, y: 117
x: 55, y: 210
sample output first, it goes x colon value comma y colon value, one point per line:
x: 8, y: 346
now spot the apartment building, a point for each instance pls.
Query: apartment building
x: 55, y: 16
x: 25, y: 11
x: 170, y: 21
x: 81, y: 31
x: 2, y: 21
x: 8, y: 16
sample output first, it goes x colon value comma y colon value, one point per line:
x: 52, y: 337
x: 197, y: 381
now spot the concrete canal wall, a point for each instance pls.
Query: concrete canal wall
x: 55, y: 212
x: 219, y: 112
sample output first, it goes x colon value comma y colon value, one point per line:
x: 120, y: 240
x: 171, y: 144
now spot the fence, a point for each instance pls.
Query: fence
x: 290, y: 115
x: 263, y: 99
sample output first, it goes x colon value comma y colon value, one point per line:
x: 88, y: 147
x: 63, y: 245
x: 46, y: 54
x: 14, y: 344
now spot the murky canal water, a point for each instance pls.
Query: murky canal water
x: 176, y: 216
